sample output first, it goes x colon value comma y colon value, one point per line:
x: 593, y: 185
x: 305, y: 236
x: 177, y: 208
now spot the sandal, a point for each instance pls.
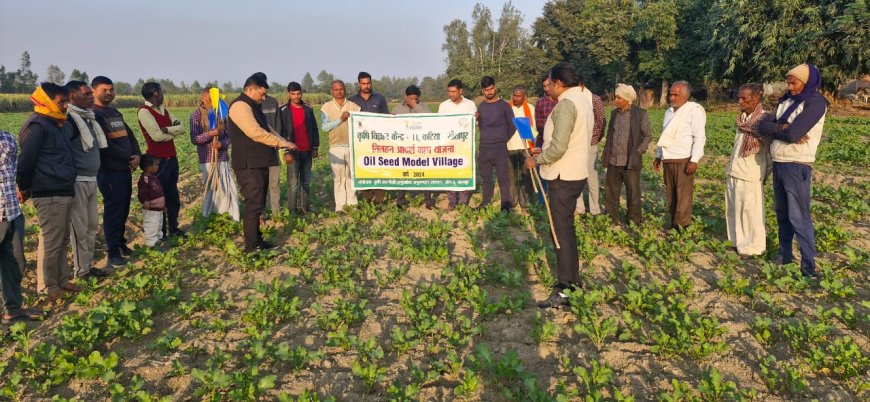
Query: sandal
x: 24, y: 315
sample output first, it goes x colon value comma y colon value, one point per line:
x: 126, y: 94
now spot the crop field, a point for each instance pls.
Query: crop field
x: 412, y: 304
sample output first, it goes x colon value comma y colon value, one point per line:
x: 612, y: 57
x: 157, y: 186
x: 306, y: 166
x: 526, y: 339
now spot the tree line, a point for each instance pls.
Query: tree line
x: 714, y: 44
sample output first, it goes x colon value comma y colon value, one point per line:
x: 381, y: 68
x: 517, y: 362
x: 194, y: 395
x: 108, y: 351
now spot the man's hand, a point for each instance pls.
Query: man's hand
x: 214, y: 133
x: 134, y: 162
x: 536, y: 151
x: 22, y: 195
x: 344, y: 116
x: 691, y: 167
x: 288, y: 158
x: 657, y: 164
x: 314, y: 153
x: 530, y: 162
x: 216, y: 145
x: 286, y: 144
x: 805, y: 139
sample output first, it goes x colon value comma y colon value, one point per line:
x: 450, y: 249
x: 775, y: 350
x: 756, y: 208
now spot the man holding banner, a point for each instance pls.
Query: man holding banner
x: 333, y: 115
x: 521, y: 182
x: 563, y: 162
x: 456, y: 103
x: 412, y: 105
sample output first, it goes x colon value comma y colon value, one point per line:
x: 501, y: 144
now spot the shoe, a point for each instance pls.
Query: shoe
x: 116, y: 261
x: 264, y: 245
x: 24, y: 314
x: 125, y: 251
x: 430, y: 205
x: 98, y: 273
x: 780, y: 260
x: 506, y: 207
x: 178, y: 233
x: 71, y: 287
x: 557, y: 299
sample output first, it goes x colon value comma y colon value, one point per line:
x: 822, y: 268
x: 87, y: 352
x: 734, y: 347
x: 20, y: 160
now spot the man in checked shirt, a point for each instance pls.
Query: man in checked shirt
x: 11, y: 235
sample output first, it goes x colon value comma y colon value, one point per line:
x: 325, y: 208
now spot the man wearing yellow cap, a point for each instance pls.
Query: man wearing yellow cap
x: 796, y: 130
x: 628, y: 136
x: 47, y: 173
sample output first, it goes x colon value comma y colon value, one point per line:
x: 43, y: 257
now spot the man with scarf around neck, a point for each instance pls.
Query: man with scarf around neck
x: 680, y: 147
x: 567, y: 135
x: 628, y: 136
x: 213, y: 147
x: 520, y: 178
x: 160, y: 128
x: 87, y: 141
x: 47, y: 173
x: 333, y: 117
x: 796, y: 130
x: 254, y: 151
x: 747, y: 169
x: 115, y: 177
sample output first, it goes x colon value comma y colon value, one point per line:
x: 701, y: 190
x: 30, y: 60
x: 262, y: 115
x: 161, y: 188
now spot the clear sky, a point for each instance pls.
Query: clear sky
x: 187, y: 40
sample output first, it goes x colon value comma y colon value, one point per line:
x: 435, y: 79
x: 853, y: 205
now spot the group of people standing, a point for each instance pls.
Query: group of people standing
x: 76, y: 144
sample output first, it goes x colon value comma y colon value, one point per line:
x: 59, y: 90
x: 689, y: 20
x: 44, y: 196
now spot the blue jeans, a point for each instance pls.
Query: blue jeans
x: 299, y: 175
x: 791, y: 194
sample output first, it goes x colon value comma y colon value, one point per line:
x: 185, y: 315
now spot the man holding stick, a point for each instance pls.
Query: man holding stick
x: 563, y: 160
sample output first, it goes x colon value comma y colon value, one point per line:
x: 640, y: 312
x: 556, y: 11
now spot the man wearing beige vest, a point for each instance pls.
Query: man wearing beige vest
x: 680, y: 147
x: 563, y: 160
x: 334, y: 116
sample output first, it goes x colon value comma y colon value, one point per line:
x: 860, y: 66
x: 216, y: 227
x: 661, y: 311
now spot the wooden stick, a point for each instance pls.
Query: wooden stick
x: 537, y: 177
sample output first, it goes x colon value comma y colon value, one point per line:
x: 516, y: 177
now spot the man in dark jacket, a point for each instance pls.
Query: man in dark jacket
x: 47, y: 173
x: 253, y: 152
x: 299, y: 126
x: 628, y: 136
x: 115, y: 178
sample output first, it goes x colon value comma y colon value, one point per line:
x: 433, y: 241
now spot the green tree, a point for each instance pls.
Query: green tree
x: 79, y: 75
x: 25, y: 79
x: 196, y: 87
x: 307, y: 82
x: 55, y: 74
x: 324, y: 80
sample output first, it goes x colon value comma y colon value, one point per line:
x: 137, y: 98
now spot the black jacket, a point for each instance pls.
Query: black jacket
x: 288, y: 129
x: 247, y: 153
x: 635, y: 139
x: 45, y: 164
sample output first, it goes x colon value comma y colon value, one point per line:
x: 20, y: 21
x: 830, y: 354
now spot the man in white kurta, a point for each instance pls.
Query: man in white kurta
x: 747, y: 168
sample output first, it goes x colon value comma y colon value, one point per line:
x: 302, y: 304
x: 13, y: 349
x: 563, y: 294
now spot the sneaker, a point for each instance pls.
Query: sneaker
x: 71, y: 287
x: 116, y: 261
x: 125, y: 251
x: 97, y: 273
x: 178, y: 233
x: 557, y: 299
x: 264, y: 245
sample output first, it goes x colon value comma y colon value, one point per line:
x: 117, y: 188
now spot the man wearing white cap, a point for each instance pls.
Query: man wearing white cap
x: 796, y: 130
x: 628, y: 136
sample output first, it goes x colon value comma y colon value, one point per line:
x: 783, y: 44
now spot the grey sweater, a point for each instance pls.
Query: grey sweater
x: 87, y: 162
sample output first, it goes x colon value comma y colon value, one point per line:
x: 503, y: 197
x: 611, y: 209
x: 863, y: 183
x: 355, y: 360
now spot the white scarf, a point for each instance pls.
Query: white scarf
x: 669, y: 133
x: 88, y: 130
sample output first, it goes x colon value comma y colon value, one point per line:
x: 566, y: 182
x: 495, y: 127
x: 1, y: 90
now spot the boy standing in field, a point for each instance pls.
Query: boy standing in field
x: 151, y: 197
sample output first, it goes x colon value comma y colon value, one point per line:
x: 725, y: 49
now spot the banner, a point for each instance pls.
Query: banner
x: 423, y: 151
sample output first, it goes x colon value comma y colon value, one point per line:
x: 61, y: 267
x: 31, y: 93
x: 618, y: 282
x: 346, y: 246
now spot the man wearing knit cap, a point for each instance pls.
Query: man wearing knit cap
x: 628, y: 136
x: 679, y: 148
x: 253, y: 152
x: 747, y: 169
x: 796, y: 130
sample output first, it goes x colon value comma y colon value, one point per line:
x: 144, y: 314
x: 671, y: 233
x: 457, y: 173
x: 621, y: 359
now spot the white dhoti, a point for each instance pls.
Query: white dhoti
x: 221, y: 193
x: 342, y: 184
x: 745, y: 216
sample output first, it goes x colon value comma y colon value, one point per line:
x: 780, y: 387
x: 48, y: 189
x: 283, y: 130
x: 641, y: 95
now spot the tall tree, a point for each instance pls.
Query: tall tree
x: 25, y: 79
x: 307, y: 82
x: 79, y: 75
x: 324, y: 80
x: 55, y: 74
x: 196, y: 87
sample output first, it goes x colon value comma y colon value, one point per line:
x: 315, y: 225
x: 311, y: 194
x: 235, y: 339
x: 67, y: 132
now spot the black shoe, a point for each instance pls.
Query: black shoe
x: 557, y: 299
x: 506, y: 207
x: 264, y: 245
x: 117, y: 261
x: 125, y: 251
x: 98, y: 273
x: 178, y: 233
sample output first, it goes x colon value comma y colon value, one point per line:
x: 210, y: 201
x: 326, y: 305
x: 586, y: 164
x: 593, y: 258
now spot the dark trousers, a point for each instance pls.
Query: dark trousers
x: 253, y: 183
x: 12, y: 263
x: 791, y: 195
x: 455, y: 198
x: 615, y: 179
x: 494, y: 158
x: 116, y: 186
x: 168, y: 177
x: 520, y: 178
x: 563, y: 200
x: 299, y: 178
x: 678, y: 190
